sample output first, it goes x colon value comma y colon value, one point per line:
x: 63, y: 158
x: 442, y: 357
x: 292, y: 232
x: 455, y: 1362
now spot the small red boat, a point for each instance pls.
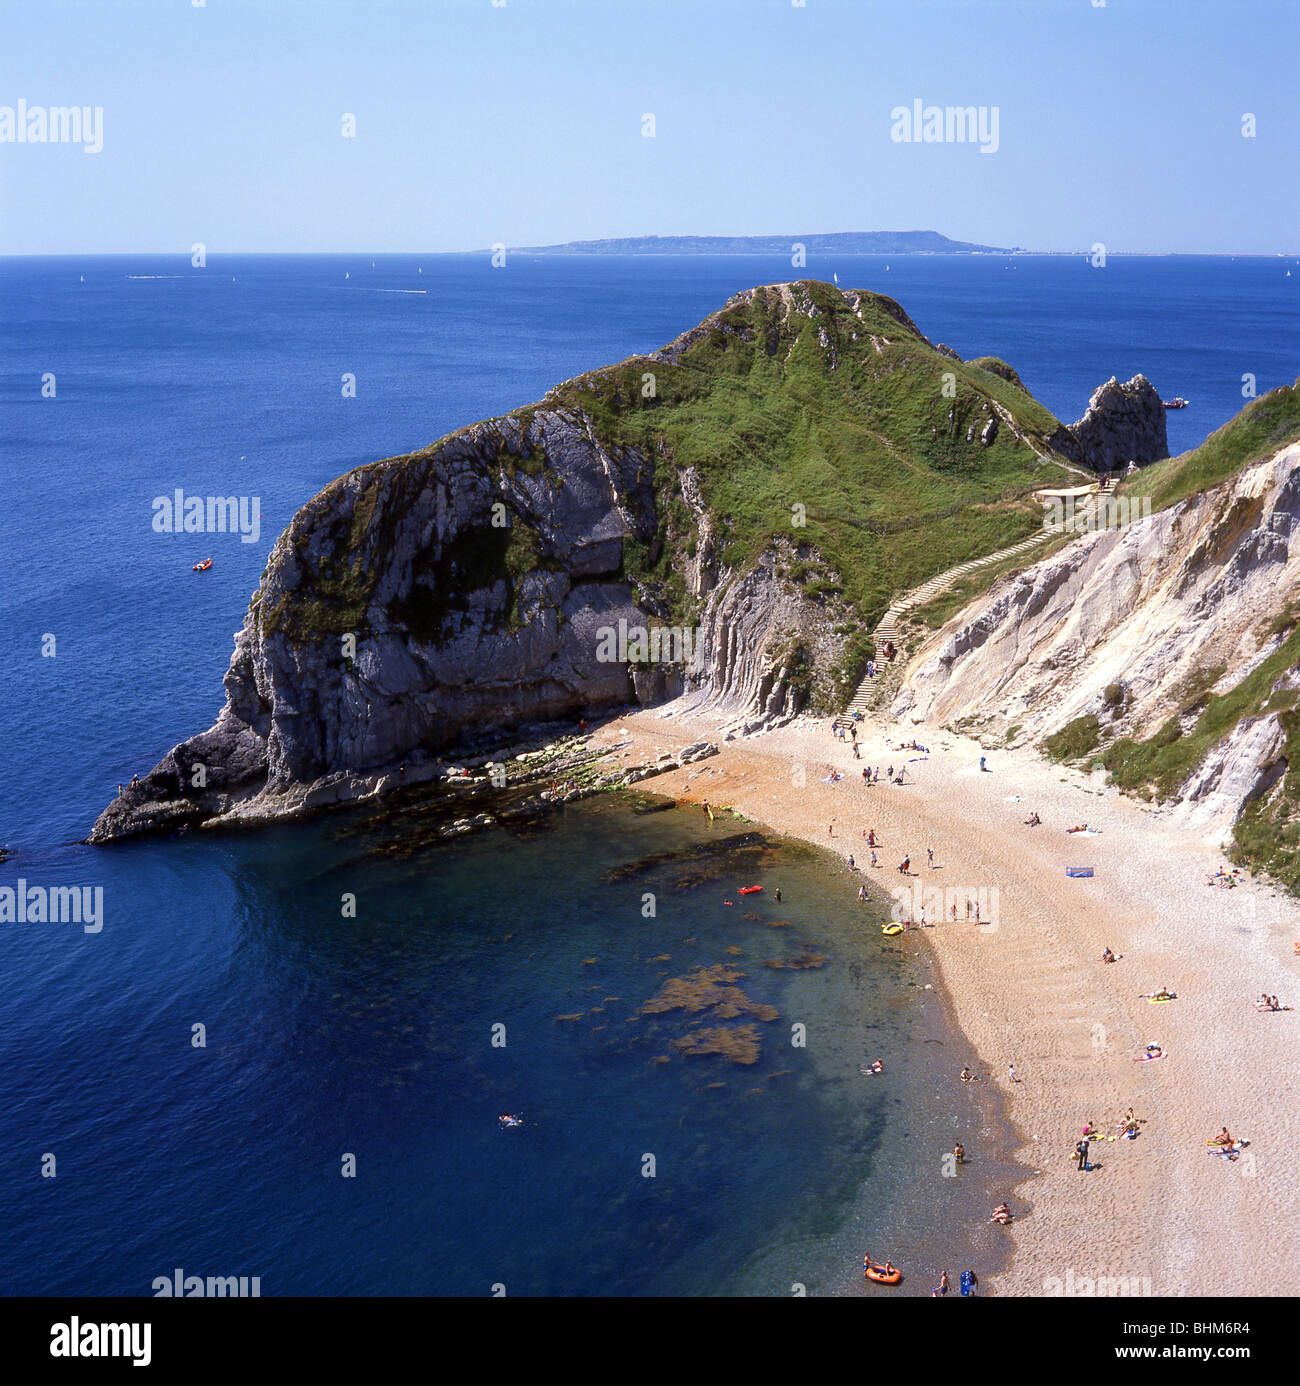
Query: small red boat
x: 750, y: 890
x: 202, y: 567
x: 1178, y: 402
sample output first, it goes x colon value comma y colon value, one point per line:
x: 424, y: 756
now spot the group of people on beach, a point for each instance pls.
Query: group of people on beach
x: 1129, y: 1126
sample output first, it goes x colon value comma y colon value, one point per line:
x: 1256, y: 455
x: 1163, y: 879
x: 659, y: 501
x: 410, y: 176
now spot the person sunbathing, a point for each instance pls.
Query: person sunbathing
x: 1164, y: 994
x: 1108, y: 956
x: 1080, y: 828
x: 1033, y: 820
x: 1223, y: 1138
x: 1001, y: 1214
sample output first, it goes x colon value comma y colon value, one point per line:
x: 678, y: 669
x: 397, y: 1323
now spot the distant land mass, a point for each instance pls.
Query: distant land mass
x: 841, y: 242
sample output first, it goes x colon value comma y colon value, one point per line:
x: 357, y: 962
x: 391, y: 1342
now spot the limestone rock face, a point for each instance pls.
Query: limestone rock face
x: 1175, y: 602
x: 762, y: 643
x: 414, y: 601
x: 1123, y: 423
x: 418, y: 601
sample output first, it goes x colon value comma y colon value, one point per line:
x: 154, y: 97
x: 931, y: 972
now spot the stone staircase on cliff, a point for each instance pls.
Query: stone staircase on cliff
x: 868, y: 692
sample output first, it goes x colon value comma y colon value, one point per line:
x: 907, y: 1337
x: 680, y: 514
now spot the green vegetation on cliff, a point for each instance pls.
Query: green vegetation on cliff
x: 791, y: 405
x: 798, y: 413
x: 1262, y: 427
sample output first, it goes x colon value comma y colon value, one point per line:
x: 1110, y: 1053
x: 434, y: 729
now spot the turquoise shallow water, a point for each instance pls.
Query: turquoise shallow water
x: 371, y: 1036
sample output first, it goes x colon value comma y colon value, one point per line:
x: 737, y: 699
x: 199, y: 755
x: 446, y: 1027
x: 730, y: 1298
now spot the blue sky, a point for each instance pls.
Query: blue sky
x: 522, y: 123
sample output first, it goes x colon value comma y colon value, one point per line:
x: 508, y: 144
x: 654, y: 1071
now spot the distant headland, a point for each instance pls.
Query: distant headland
x: 837, y: 242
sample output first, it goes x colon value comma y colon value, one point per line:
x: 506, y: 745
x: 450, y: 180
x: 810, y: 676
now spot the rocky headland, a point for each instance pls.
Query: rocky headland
x: 754, y: 492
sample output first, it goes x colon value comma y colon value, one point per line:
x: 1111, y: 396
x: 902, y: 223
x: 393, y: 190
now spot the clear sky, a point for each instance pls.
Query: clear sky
x: 522, y: 122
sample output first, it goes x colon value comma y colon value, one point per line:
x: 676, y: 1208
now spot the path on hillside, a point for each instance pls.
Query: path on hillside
x: 868, y: 691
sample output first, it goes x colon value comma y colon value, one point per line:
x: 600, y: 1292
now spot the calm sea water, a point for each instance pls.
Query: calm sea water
x: 372, y: 1036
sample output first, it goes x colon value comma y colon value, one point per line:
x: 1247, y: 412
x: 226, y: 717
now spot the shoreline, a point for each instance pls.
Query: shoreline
x: 1154, y: 1214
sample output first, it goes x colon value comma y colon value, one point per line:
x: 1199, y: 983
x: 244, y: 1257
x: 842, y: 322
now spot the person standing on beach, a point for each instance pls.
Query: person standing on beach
x: 1081, y: 1151
x: 1013, y: 1073
x: 830, y: 830
x: 929, y: 852
x: 862, y: 891
x: 981, y: 762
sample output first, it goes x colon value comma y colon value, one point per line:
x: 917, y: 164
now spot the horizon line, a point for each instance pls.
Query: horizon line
x: 664, y: 255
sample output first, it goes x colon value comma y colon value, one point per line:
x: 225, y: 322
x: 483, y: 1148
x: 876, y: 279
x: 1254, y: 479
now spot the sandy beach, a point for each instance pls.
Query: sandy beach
x: 1155, y: 1215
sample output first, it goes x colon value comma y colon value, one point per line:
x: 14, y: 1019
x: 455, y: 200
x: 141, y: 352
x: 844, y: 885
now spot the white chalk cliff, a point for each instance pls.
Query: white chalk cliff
x: 1136, y: 626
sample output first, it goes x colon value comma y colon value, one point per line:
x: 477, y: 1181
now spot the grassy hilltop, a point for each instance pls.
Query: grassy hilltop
x: 807, y: 395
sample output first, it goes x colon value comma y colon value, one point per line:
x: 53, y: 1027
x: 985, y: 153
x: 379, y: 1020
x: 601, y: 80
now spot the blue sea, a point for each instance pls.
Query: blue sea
x: 638, y: 1169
